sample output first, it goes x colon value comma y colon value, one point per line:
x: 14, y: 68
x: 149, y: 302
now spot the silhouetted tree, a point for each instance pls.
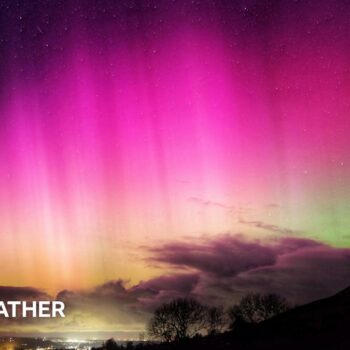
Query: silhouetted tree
x: 111, y: 344
x: 215, y: 320
x: 254, y: 308
x: 177, y: 320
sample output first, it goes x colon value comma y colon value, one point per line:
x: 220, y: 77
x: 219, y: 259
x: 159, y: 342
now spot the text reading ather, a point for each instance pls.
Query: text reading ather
x: 45, y: 309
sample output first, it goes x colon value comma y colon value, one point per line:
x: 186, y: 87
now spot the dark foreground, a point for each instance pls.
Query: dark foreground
x: 324, y: 324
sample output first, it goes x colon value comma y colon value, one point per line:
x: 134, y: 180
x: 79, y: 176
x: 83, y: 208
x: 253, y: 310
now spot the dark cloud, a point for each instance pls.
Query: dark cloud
x: 230, y: 266
x: 164, y: 288
x: 22, y: 293
x: 225, y: 256
x: 10, y: 293
x: 306, y: 274
x: 184, y: 283
x: 116, y: 305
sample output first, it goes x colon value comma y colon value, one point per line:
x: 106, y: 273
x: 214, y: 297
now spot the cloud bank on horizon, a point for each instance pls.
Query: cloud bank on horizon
x: 217, y: 271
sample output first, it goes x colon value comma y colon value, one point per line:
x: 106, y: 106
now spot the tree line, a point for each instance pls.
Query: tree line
x: 186, y: 317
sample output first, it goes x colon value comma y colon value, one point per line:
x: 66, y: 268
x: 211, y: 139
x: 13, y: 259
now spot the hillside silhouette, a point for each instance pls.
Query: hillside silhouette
x: 322, y: 324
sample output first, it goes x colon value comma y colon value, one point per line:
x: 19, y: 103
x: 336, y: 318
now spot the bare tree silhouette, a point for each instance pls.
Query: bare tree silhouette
x: 177, y: 320
x: 111, y: 344
x: 254, y: 308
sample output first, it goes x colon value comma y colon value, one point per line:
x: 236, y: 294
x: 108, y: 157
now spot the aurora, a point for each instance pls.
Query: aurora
x: 156, y: 149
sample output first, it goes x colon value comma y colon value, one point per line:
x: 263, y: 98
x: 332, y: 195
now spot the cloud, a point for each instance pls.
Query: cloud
x: 22, y: 293
x: 115, y: 305
x: 10, y: 293
x: 225, y: 256
x: 303, y: 275
x: 167, y: 287
x: 208, y: 203
x: 230, y: 266
x: 269, y: 227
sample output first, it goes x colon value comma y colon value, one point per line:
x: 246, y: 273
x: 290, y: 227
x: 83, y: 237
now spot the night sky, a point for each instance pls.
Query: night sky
x: 156, y: 149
